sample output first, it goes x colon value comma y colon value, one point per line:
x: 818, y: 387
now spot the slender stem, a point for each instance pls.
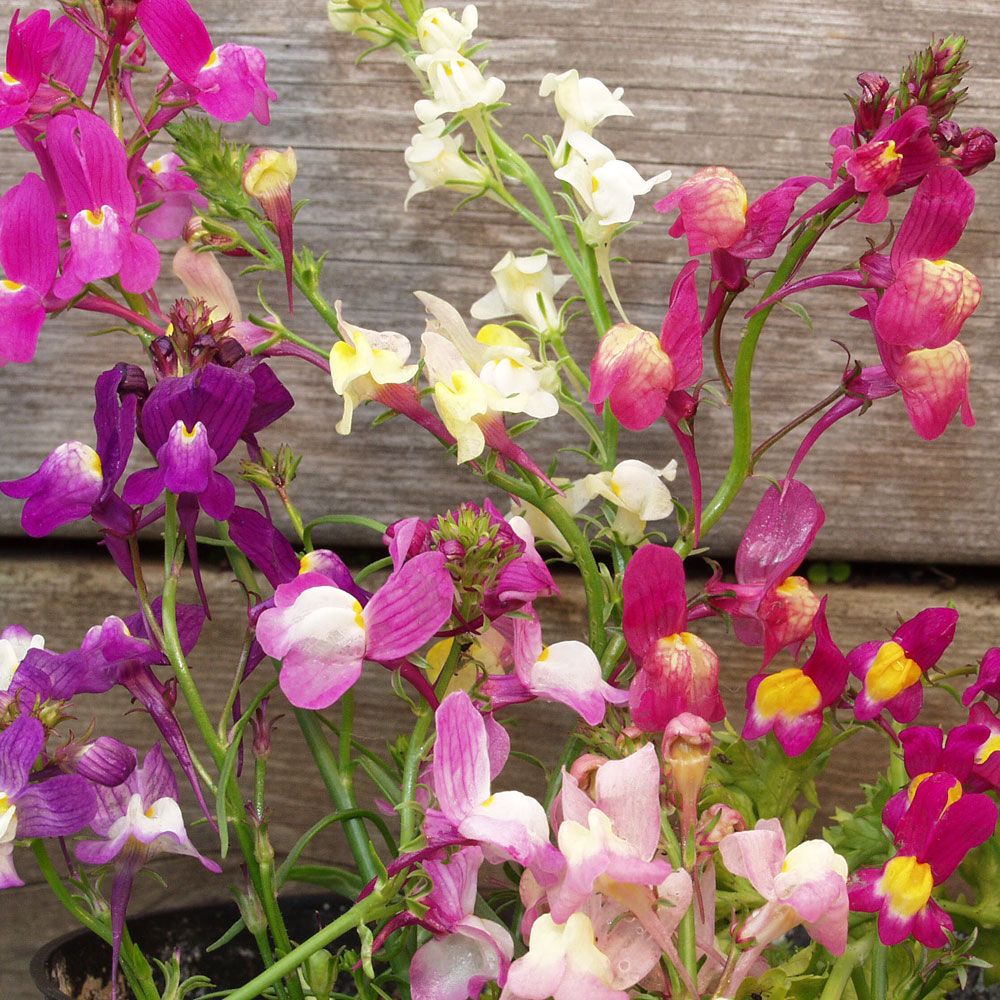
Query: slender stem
x: 843, y: 969
x: 880, y: 970
x: 720, y: 361
x: 740, y: 463
x: 408, y: 810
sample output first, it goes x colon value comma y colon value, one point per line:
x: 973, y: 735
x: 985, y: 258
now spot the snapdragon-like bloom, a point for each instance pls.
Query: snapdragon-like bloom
x: 322, y: 634
x: 676, y: 671
x: 435, y: 159
x: 457, y: 85
x: 567, y: 672
x: 988, y: 679
x: 769, y: 605
x: 56, y: 807
x: 267, y: 176
x: 364, y: 363
x: 641, y: 376
x: 935, y: 833
x: 605, y: 186
x: 637, y: 490
x: 891, y: 672
x: 806, y: 885
x: 29, y: 256
x: 137, y: 821
x: 226, y: 81
x: 791, y: 702
x: 582, y: 103
x: 525, y: 287
x: 508, y: 825
x: 163, y: 183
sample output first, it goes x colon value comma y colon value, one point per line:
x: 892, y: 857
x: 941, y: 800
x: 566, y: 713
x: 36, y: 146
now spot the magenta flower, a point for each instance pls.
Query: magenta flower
x: 322, y: 634
x: 508, y: 825
x: 29, y: 254
x: 986, y: 766
x: 806, y: 885
x: 90, y: 162
x: 675, y: 670
x: 636, y: 373
x: 791, y: 702
x: 933, y: 836
x: 988, y: 681
x: 137, y: 821
x: 770, y: 607
x: 566, y: 672
x: 76, y: 481
x: 891, y: 672
x: 163, y: 183
x: 228, y: 82
x: 56, y: 807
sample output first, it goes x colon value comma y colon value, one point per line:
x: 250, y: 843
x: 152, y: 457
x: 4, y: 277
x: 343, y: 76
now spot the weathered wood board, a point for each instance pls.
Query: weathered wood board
x: 63, y: 597
x: 709, y: 83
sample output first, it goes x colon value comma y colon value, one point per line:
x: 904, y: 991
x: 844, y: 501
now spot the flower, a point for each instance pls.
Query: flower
x: 582, y: 103
x: 435, y: 159
x: 226, y: 81
x: 525, y: 287
x: 322, y: 634
x: 137, y: 821
x: 267, y: 176
x: 56, y: 807
x: 791, y: 702
x: 163, y: 184
x: 806, y: 885
x: 457, y: 85
x: 891, y: 672
x: 676, y: 671
x: 438, y: 28
x: 933, y: 836
x: 15, y: 641
x: 987, y: 681
x: 605, y: 186
x: 638, y: 491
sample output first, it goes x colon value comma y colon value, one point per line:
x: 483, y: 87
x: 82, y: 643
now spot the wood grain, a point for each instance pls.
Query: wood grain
x: 708, y: 85
x: 63, y: 597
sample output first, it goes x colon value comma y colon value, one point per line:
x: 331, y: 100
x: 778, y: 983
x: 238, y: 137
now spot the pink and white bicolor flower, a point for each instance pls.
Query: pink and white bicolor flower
x: 806, y: 885
x: 322, y: 635
x: 567, y: 672
x: 769, y: 606
x: 891, y: 672
x: 226, y: 81
x: 508, y: 825
x: 676, y: 671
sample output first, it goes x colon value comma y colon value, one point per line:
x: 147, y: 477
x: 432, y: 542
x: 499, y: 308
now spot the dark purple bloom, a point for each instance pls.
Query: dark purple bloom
x: 57, y: 807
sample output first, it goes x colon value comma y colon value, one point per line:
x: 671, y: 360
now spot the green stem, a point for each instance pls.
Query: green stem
x: 740, y: 463
x: 843, y: 969
x: 880, y: 970
x: 408, y: 809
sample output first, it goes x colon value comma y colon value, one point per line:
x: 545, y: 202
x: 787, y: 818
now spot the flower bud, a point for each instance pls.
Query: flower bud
x: 267, y: 176
x: 933, y: 77
x: 319, y: 974
x: 977, y: 149
x: 584, y: 769
x: 869, y: 110
x: 687, y: 749
x: 716, y: 822
x: 261, y: 729
x: 435, y: 159
x: 106, y: 761
x: 250, y: 907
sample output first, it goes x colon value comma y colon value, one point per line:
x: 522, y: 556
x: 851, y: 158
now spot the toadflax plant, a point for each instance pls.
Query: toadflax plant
x: 680, y: 843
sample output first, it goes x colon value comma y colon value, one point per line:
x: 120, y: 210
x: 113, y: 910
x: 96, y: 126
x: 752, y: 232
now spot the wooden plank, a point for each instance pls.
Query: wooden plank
x: 63, y: 597
x: 706, y: 87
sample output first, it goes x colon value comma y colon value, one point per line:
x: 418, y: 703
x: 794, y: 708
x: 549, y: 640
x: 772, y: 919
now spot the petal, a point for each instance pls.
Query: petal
x: 627, y: 791
x: 58, y: 807
x: 20, y: 744
x: 29, y: 242
x: 22, y: 317
x: 756, y: 855
x: 461, y: 765
x: 177, y: 34
x: 936, y: 218
x: 655, y: 603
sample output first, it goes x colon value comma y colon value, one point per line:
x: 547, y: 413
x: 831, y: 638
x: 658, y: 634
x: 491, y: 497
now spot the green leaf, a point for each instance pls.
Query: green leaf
x: 799, y: 310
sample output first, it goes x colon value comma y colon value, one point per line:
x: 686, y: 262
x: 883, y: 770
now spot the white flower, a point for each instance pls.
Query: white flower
x: 456, y: 83
x: 582, y: 103
x: 526, y: 287
x: 638, y: 491
x: 606, y: 187
x: 436, y: 160
x: 539, y: 525
x: 364, y: 361
x: 345, y: 18
x: 439, y: 29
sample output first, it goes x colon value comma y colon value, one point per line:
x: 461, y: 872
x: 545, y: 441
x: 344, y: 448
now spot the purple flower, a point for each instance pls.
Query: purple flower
x: 228, y: 81
x: 988, y: 681
x: 91, y: 165
x: 322, y: 634
x: 137, y: 820
x: 29, y: 254
x: 57, y: 807
x: 163, y: 183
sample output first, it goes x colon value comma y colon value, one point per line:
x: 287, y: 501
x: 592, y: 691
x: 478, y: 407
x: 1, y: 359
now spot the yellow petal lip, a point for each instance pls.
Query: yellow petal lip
x: 891, y: 672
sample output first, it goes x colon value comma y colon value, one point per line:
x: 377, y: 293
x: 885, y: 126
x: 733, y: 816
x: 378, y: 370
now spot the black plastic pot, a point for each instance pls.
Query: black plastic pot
x: 78, y: 966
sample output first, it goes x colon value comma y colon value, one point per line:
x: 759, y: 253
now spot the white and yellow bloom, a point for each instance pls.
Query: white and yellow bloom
x: 525, y: 287
x: 436, y: 160
x: 582, y: 103
x: 439, y: 29
x: 344, y: 17
x: 638, y: 491
x: 456, y: 84
x: 605, y: 186
x: 363, y: 362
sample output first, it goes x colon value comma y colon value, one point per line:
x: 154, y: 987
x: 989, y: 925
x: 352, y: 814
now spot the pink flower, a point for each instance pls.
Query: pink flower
x: 771, y: 607
x: 988, y: 681
x: 163, y: 183
x: 228, y: 82
x: 675, y: 670
x: 322, y: 635
x: 933, y: 836
x: 891, y: 672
